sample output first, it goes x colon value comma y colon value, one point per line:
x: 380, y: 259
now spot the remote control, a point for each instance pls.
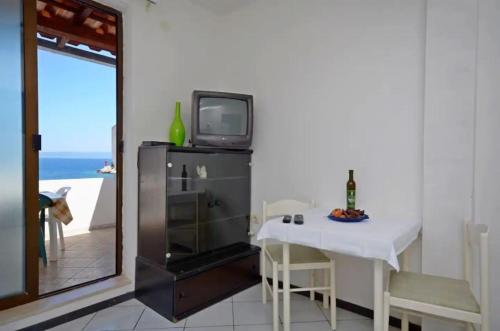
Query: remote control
x: 298, y: 219
x: 287, y: 219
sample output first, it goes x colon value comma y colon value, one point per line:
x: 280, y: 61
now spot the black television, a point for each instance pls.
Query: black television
x: 221, y: 119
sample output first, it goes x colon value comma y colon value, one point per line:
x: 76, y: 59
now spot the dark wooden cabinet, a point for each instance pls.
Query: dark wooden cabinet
x: 194, y: 214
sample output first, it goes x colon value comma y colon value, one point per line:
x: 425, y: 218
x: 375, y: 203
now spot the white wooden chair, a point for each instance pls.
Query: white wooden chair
x: 453, y: 299
x: 301, y: 258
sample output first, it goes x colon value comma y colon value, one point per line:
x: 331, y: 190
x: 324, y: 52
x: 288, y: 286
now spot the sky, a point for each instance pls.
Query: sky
x: 76, y: 104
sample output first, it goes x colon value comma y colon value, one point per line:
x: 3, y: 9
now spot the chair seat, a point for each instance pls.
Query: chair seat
x: 298, y: 254
x: 440, y: 291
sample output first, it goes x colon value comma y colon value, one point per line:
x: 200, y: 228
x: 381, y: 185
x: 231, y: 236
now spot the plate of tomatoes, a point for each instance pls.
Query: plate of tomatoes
x: 348, y: 215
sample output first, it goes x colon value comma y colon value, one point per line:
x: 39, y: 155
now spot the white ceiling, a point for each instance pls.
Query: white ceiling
x: 222, y: 7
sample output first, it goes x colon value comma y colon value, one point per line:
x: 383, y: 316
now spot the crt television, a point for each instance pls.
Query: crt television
x: 221, y: 119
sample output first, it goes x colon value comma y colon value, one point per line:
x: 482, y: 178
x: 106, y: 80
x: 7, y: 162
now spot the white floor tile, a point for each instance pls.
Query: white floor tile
x: 255, y: 294
x: 265, y: 327
x: 342, y: 314
x: 312, y: 326
x: 357, y: 325
x: 252, y: 313
x: 304, y: 311
x: 152, y: 320
x: 220, y: 314
x: 252, y: 294
x: 211, y: 328
x: 131, y: 302
x: 115, y: 318
x: 77, y: 324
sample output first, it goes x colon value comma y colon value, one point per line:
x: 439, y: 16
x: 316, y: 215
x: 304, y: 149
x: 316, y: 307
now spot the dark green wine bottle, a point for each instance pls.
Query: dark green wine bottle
x: 351, y: 191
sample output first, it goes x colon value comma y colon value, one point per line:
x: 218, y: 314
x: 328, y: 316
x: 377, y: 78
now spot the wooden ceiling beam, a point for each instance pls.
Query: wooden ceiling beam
x: 82, y: 16
x: 61, y: 28
x: 95, y: 15
x: 61, y: 42
x: 80, y: 53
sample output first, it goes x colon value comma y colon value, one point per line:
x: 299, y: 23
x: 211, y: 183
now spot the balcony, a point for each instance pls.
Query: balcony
x: 90, y: 238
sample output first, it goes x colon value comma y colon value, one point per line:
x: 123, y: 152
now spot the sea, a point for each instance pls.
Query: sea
x: 72, y: 165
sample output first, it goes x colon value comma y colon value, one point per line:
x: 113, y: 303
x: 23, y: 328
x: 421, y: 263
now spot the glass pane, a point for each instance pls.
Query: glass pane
x: 208, y: 204
x: 12, y: 256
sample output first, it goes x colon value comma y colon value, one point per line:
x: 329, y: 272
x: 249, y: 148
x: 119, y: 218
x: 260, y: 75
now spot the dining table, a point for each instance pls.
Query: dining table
x: 379, y: 239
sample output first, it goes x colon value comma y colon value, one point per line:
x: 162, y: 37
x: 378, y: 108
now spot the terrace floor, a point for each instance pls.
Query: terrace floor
x: 87, y: 257
x: 242, y: 312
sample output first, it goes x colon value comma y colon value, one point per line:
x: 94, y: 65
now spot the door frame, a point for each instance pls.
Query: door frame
x: 30, y: 127
x: 119, y: 130
x: 31, y: 157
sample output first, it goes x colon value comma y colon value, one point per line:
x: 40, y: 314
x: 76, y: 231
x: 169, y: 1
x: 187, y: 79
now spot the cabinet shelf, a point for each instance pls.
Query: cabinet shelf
x: 209, y: 179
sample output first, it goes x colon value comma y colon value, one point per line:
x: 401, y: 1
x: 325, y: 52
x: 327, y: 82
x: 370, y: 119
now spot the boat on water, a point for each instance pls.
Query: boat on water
x: 109, y: 168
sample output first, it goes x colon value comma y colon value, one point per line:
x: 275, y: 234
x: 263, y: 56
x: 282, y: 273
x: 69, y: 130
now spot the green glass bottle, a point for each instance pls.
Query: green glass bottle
x: 177, y: 131
x: 351, y: 191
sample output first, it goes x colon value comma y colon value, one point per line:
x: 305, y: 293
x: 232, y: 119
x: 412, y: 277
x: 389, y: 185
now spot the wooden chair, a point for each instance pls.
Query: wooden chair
x: 301, y: 258
x: 448, y: 298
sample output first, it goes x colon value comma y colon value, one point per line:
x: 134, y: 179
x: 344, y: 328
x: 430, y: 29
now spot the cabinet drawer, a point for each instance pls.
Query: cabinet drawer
x: 201, y: 290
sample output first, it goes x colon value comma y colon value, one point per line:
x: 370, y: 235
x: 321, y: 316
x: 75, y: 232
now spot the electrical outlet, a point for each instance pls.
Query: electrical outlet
x: 254, y: 219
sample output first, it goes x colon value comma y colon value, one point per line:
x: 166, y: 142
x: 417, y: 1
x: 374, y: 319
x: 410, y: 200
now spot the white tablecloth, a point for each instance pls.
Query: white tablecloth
x: 375, y: 238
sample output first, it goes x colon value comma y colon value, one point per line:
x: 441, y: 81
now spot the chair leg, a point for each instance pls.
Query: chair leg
x: 386, y: 310
x: 405, y: 323
x: 333, y: 296
x: 52, y: 237
x: 41, y: 239
x: 325, y: 293
x: 311, y: 284
x: 61, y: 236
x: 468, y: 327
x: 264, y: 278
x: 275, y: 298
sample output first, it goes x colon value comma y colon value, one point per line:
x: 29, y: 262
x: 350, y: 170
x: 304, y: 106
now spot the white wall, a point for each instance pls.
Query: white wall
x: 168, y: 51
x: 487, y: 156
x: 92, y: 202
x: 338, y: 85
x: 448, y: 136
x: 307, y: 70
x: 356, y: 84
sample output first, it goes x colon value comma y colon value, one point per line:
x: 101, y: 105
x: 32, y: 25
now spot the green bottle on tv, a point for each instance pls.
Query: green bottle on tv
x: 177, y: 131
x: 351, y: 191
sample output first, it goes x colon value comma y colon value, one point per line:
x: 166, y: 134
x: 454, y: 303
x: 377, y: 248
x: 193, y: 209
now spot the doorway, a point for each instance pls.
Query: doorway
x: 61, y: 146
x: 78, y: 161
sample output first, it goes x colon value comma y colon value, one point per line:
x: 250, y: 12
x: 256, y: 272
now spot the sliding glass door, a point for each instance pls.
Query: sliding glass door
x: 16, y: 118
x: 12, y: 220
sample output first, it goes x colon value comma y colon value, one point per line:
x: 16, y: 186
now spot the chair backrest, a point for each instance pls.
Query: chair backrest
x: 477, y: 235
x: 284, y: 207
x: 63, y: 191
x: 43, y: 202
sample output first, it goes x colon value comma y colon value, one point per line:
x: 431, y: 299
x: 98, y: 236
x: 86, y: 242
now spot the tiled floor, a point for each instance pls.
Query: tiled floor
x: 242, y: 312
x: 87, y: 257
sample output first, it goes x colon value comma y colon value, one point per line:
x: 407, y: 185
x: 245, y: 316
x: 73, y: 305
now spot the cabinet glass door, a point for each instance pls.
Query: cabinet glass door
x: 208, y: 202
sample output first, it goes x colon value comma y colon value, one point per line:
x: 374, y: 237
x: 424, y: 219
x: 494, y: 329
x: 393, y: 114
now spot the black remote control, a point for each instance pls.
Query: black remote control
x: 298, y: 219
x: 287, y: 219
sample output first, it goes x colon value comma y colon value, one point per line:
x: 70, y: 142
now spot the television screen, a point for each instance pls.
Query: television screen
x: 223, y: 116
